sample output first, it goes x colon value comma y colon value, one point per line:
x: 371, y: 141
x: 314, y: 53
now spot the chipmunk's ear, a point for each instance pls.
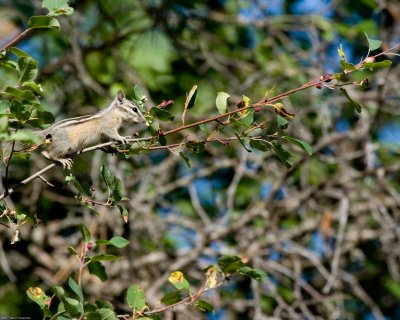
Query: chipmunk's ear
x: 120, y: 96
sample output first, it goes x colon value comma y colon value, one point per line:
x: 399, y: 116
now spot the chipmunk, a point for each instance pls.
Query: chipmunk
x: 68, y: 136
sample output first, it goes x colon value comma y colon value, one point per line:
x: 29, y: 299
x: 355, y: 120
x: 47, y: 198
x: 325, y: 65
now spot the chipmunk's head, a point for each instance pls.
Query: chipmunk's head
x: 128, y: 109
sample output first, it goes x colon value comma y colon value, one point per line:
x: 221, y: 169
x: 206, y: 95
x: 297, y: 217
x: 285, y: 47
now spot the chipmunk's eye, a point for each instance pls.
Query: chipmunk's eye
x: 134, y: 109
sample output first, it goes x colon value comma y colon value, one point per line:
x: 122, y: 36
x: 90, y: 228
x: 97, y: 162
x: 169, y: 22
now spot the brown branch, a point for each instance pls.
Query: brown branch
x: 17, y: 39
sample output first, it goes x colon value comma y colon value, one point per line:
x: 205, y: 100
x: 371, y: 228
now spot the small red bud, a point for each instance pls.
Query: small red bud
x: 254, y: 124
x: 165, y: 103
x: 318, y: 86
x: 160, y: 133
x: 89, y: 246
x: 327, y: 77
x: 257, y: 109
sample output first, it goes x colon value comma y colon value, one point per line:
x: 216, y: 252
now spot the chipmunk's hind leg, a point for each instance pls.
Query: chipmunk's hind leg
x: 66, y: 163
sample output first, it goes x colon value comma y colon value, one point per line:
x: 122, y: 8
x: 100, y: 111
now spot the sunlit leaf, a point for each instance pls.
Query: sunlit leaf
x: 222, y: 102
x: 372, y: 43
x: 135, y: 298
x: 280, y: 110
x: 191, y: 98
x: 178, y: 280
x: 57, y: 7
x: 379, y: 64
x: 348, y: 66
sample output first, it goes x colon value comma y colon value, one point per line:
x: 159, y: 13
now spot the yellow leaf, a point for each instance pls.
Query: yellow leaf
x: 212, y: 277
x: 280, y: 109
x: 176, y: 276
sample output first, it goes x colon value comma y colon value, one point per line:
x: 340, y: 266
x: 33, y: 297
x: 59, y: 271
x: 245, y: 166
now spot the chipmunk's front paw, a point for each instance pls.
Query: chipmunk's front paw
x: 124, y: 140
x: 66, y: 163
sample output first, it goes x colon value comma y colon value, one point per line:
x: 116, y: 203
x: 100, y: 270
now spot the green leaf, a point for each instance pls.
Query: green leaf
x: 104, y: 304
x: 33, y: 86
x: 22, y: 94
x: 9, y: 64
x: 196, y: 146
x: 256, y: 274
x: 138, y: 93
x: 119, y: 242
x: 380, y: 64
x: 248, y: 119
x: 283, y: 155
x: 102, y: 314
x: 393, y: 287
x: 162, y: 140
x: 191, y: 98
x: 171, y: 298
x: 71, y: 178
x: 154, y: 127
x: 19, y: 53
x: 354, y: 103
x: 19, y: 110
x: 341, y: 77
x: 230, y: 264
x: 72, y: 250
x: 27, y: 69
x: 3, y: 123
x: 39, y: 296
x: 105, y: 257
x: 85, y: 232
x: 118, y: 189
x: 75, y: 288
x: 300, y: 143
x: 222, y: 102
x: 135, y: 298
x: 124, y: 212
x: 203, y: 305
x: 40, y: 22
x: 372, y: 43
x: 24, y: 136
x: 161, y: 114
x: 57, y: 7
x: 282, y: 122
x: 73, y: 306
x: 97, y: 269
x: 259, y: 145
x: 107, y: 176
x: 186, y: 158
x: 348, y: 66
x: 178, y: 280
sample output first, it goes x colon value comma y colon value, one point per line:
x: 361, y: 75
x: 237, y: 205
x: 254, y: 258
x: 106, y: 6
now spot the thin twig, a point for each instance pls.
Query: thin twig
x: 343, y: 216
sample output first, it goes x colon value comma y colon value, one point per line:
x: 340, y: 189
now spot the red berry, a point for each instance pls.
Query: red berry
x: 257, y: 109
x: 89, y: 246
